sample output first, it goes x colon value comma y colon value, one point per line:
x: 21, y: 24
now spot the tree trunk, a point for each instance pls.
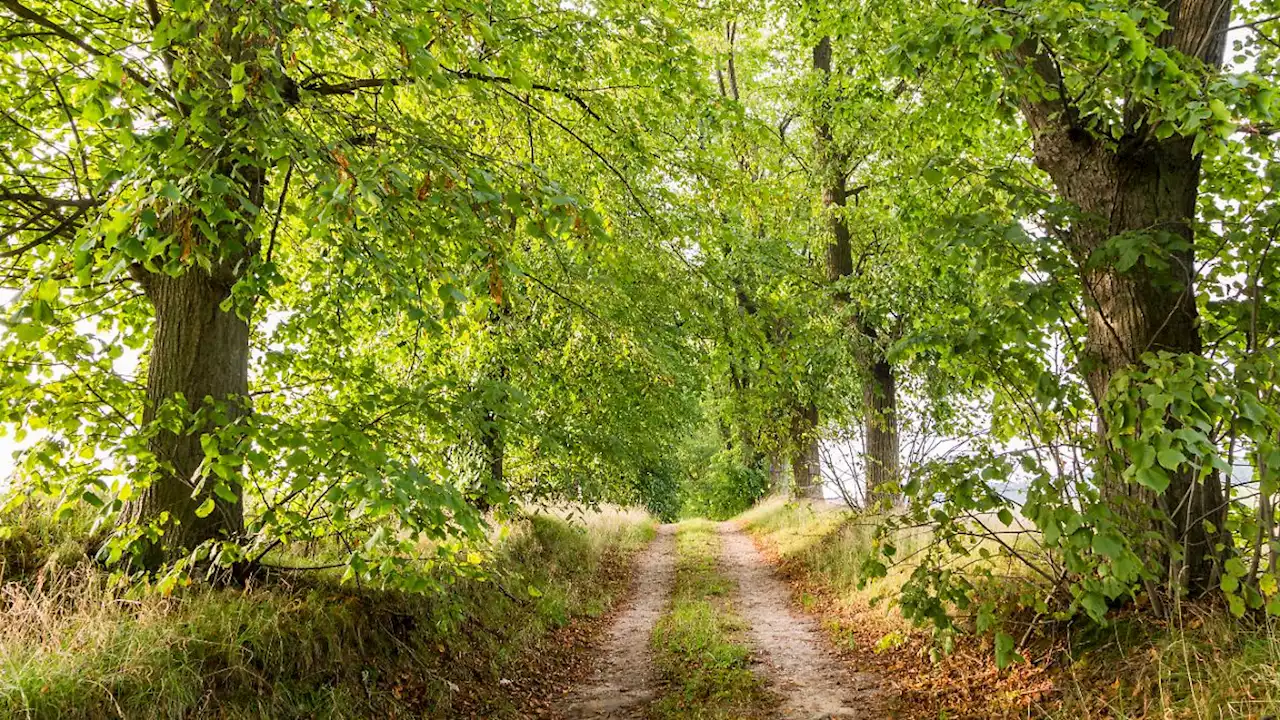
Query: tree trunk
x: 1146, y: 189
x: 493, y: 487
x: 806, y: 468
x: 880, y: 417
x: 881, y: 452
x: 200, y: 353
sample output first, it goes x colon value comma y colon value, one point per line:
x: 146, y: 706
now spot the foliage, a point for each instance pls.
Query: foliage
x: 722, y: 488
x: 456, y: 258
x: 416, y: 210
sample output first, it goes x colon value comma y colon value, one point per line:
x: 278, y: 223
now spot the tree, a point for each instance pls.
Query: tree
x: 1135, y: 188
x: 879, y: 396
x: 318, y: 208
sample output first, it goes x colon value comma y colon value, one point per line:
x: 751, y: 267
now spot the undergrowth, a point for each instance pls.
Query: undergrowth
x: 72, y: 646
x: 703, y: 662
x: 1206, y: 666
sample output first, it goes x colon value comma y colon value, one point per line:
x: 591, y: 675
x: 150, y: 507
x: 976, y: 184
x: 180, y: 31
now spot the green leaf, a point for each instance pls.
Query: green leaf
x: 534, y: 592
x: 1268, y: 584
x: 1236, y: 605
x: 1005, y: 655
x: 297, y: 458
x: 47, y: 290
x: 1108, y: 545
x: 1095, y: 604
x: 1171, y: 458
x: 1229, y: 584
x: 29, y: 332
x: 1219, y: 110
x: 224, y: 491
x: 1153, y: 478
x: 521, y: 80
x: 205, y: 508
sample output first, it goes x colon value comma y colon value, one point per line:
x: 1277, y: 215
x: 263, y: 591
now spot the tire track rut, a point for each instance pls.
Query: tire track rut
x: 792, y: 651
x: 623, y: 682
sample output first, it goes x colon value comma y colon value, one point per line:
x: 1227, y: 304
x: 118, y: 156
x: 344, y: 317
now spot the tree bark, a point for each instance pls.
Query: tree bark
x: 1145, y: 188
x: 199, y: 353
x: 880, y: 419
x: 806, y: 468
x: 881, y: 456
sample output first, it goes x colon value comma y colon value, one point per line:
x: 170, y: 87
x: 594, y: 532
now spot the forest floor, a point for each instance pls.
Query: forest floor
x: 787, y: 666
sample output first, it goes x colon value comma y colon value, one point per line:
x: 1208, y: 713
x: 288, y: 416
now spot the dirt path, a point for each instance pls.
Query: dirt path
x: 792, y: 650
x: 623, y: 682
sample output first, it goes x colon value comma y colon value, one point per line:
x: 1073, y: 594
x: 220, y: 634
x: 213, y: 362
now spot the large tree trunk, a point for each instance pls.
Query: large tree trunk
x: 806, y: 467
x: 200, y: 353
x: 1145, y: 188
x: 880, y: 417
x: 1150, y: 307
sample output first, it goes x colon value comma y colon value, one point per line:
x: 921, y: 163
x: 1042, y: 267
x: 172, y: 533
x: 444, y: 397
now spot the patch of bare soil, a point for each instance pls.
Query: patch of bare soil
x: 792, y: 651
x: 623, y: 683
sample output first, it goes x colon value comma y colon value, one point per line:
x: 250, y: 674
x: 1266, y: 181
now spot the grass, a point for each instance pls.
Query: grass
x: 73, y: 647
x: 698, y: 649
x: 1208, y: 666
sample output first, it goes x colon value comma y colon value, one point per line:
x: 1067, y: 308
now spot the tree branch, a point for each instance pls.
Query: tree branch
x: 36, y: 199
x: 27, y: 13
x: 352, y: 86
x: 66, y: 223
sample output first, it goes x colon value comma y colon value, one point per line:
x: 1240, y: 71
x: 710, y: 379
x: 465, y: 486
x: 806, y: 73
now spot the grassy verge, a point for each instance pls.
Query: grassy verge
x: 697, y: 645
x: 1208, y: 666
x: 72, y: 648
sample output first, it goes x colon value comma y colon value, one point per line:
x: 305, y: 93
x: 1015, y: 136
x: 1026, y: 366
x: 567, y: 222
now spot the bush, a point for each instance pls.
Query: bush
x: 659, y: 490
x: 724, y: 489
